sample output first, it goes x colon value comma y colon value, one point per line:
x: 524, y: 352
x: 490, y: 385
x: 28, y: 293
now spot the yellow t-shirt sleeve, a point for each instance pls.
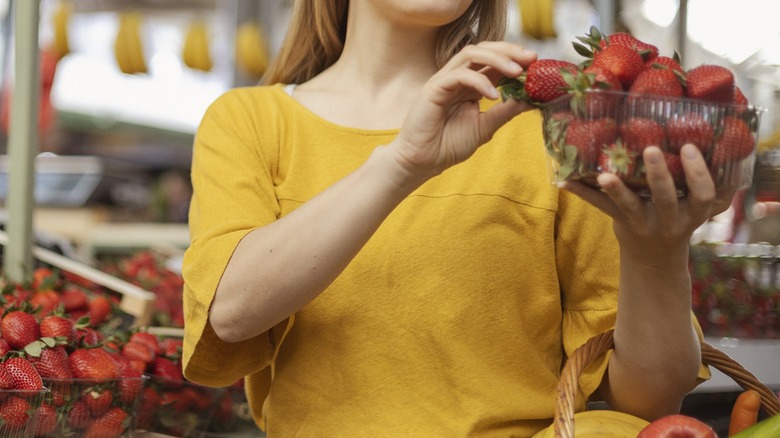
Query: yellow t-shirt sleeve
x: 233, y: 194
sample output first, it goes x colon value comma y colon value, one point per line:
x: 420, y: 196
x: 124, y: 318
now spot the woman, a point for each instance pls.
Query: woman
x: 382, y: 258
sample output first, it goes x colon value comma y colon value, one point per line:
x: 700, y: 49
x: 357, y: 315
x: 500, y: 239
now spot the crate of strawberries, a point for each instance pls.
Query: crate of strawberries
x: 601, y: 114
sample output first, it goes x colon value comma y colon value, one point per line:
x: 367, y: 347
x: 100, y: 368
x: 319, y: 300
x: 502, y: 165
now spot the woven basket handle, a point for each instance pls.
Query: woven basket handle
x: 601, y: 343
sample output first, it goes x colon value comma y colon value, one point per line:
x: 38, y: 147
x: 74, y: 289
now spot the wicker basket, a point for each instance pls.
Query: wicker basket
x: 563, y: 422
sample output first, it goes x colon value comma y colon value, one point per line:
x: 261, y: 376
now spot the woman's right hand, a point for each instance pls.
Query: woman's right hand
x: 444, y: 125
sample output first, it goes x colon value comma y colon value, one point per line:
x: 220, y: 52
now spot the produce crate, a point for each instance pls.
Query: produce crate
x: 21, y: 412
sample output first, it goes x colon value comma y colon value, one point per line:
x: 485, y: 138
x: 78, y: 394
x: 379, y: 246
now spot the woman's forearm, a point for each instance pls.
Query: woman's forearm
x: 279, y: 268
x: 657, y: 352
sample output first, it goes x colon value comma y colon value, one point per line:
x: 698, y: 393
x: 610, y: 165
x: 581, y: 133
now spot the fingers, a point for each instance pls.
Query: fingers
x: 494, y: 58
x: 662, y: 187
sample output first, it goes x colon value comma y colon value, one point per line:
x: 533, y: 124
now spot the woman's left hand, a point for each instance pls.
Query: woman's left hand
x: 649, y: 230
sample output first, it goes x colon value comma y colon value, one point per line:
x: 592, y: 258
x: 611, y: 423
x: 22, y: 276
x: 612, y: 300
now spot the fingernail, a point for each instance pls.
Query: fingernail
x: 653, y: 157
x: 513, y: 66
x: 493, y: 93
x: 689, y: 152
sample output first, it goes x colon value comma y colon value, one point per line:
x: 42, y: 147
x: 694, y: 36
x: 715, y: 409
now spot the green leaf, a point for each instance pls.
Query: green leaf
x: 34, y: 348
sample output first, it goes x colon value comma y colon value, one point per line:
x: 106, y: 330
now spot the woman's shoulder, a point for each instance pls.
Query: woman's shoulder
x: 258, y: 96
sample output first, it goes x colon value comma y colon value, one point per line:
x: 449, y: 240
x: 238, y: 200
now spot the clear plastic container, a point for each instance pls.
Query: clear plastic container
x: 580, y: 131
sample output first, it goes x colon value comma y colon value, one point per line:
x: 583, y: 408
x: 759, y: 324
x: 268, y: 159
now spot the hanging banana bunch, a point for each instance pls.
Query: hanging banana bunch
x: 128, y: 48
x: 536, y: 17
x: 195, y: 52
x: 251, y: 49
x: 60, y: 22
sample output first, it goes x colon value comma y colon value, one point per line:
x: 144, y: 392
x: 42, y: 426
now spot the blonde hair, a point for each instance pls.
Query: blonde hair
x: 317, y: 29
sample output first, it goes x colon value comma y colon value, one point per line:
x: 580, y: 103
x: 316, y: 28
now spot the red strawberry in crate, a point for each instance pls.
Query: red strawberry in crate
x: 55, y: 326
x: 6, y: 379
x: 618, y: 160
x: 14, y: 414
x: 586, y: 100
x: 47, y: 420
x: 638, y: 133
x: 97, y: 400
x: 135, y: 350
x: 100, y: 308
x: 4, y: 347
x: 23, y: 373
x: 148, y: 407
x: 684, y: 128
x: 739, y: 97
x: 589, y: 137
x: 595, y: 40
x: 19, y: 328
x: 44, y: 302
x: 674, y: 165
x: 93, y: 363
x: 78, y: 416
x: 111, y: 424
x: 658, y: 82
x: 734, y: 143
x: 52, y: 363
x: 712, y: 83
x: 147, y: 338
x: 73, y: 298
x: 167, y: 369
x: 542, y: 82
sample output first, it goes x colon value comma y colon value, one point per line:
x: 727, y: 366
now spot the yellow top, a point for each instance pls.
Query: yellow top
x: 453, y: 320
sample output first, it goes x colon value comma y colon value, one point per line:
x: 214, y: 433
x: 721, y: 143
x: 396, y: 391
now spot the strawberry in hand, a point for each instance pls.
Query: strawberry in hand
x: 542, y: 82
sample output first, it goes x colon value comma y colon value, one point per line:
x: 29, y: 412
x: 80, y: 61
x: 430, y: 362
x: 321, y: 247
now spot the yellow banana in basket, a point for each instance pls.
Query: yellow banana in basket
x: 251, y: 49
x: 195, y: 53
x: 60, y: 22
x: 601, y: 424
x: 128, y: 47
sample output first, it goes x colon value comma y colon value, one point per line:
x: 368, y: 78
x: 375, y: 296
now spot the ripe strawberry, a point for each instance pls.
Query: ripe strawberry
x: 585, y: 87
x: 99, y: 309
x: 639, y: 132
x: 674, y: 165
x: 44, y: 301
x: 14, y: 414
x: 136, y: 350
x: 171, y: 347
x: 23, y: 373
x: 131, y: 382
x: 734, y: 143
x: 739, y: 97
x: 167, y: 369
x: 87, y: 336
x: 148, y: 339
x: 667, y: 62
x: 53, y: 363
x: 684, y: 128
x: 73, y: 298
x: 657, y: 81
x: 4, y: 347
x: 602, y: 79
x: 109, y: 425
x: 618, y: 160
x: 622, y: 61
x: 97, y: 401
x: 93, y: 363
x: 47, y: 420
x: 6, y: 379
x: 78, y: 417
x: 646, y: 50
x: 589, y: 136
x: 148, y: 407
x: 177, y: 400
x: 712, y: 83
x: 19, y: 328
x: 55, y: 326
x: 542, y: 81
x: 43, y: 278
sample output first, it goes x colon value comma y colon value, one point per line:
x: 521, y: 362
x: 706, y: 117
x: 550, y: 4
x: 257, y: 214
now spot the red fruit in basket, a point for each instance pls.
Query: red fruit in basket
x: 4, y: 347
x: 147, y: 338
x: 110, y: 424
x: 93, y: 363
x: 99, y: 309
x: 73, y: 298
x: 684, y: 128
x: 618, y: 160
x: 624, y: 62
x: 589, y: 137
x: 97, y: 401
x: 148, y: 407
x: 167, y: 369
x: 135, y: 350
x: 658, y: 82
x: 734, y: 143
x: 47, y: 420
x: 171, y: 347
x: 19, y: 328
x: 667, y: 62
x: 52, y: 363
x: 739, y: 97
x: 6, y: 379
x: 14, y: 414
x: 55, y: 326
x: 23, y: 373
x: 677, y: 426
x: 713, y: 83
x: 44, y: 302
x: 639, y: 132
x: 87, y: 336
x: 78, y: 417
x: 43, y: 278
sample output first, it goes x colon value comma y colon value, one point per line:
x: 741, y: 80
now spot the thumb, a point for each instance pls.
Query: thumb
x: 501, y: 113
